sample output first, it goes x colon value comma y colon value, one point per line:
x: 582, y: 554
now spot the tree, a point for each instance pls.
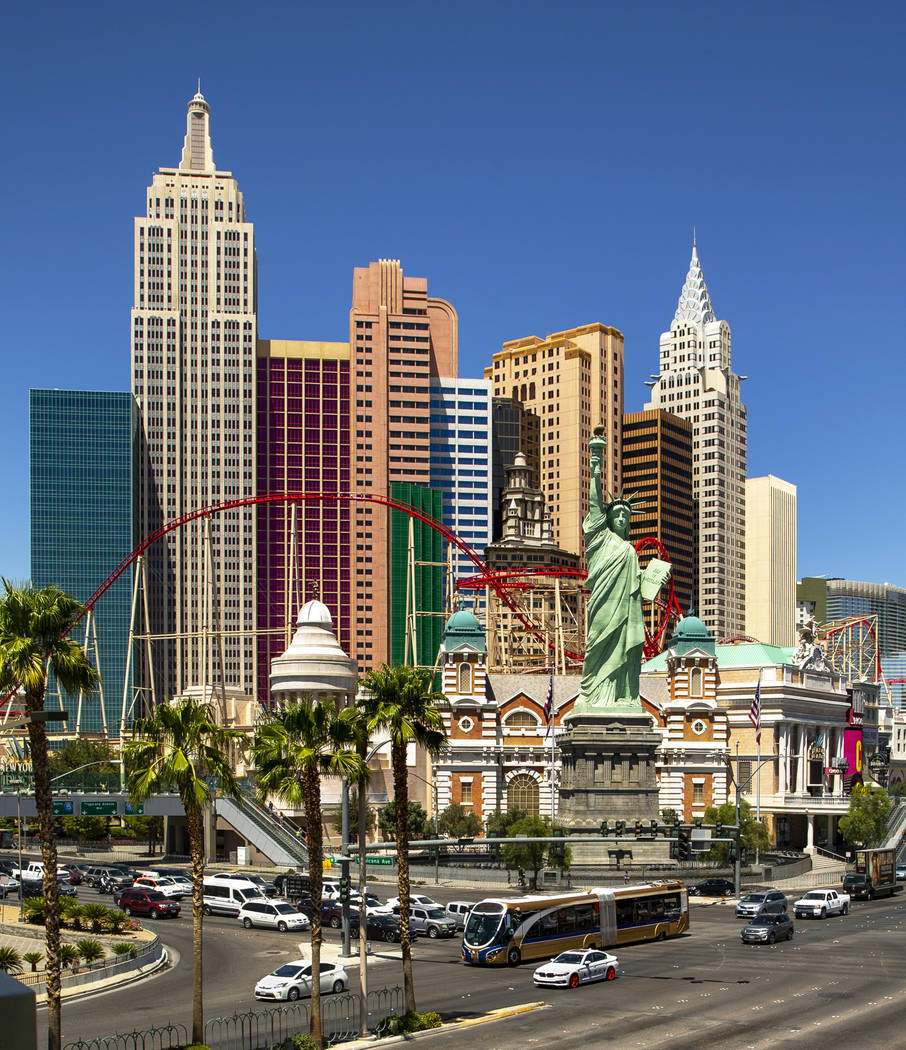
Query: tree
x: 532, y: 856
x: 406, y: 709
x: 753, y: 833
x: 97, y: 755
x: 84, y: 828
x: 33, y: 626
x: 459, y: 823
x: 416, y: 820
x: 865, y: 825
x: 291, y: 751
x: 501, y: 820
x: 10, y: 960
x: 181, y: 748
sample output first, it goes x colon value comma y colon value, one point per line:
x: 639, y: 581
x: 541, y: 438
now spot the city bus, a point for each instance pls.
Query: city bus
x: 501, y: 931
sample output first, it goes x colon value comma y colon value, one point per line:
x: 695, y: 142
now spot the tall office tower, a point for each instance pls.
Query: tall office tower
x: 513, y: 430
x: 193, y: 372
x: 573, y: 382
x: 399, y: 340
x: 303, y: 446
x: 461, y: 468
x: 838, y: 599
x: 81, y: 508
x: 657, y: 468
x: 771, y: 560
x: 696, y: 381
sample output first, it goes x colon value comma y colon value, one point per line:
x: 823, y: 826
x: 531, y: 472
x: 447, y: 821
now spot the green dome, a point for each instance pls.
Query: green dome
x: 690, y: 634
x: 463, y: 628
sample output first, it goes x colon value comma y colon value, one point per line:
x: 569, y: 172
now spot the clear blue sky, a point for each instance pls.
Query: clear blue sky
x: 542, y: 164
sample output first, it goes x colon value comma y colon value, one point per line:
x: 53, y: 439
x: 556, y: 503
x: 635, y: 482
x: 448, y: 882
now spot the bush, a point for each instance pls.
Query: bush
x: 96, y: 914
x: 69, y: 954
x: 32, y: 958
x: 33, y: 907
x: 406, y: 1023
x: 90, y: 950
x: 117, y: 920
x: 123, y: 948
x: 10, y: 960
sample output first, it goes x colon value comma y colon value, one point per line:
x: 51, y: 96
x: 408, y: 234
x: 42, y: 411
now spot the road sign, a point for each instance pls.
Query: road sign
x: 134, y: 809
x: 877, y: 762
x: 62, y: 807
x: 387, y: 861
x: 102, y: 808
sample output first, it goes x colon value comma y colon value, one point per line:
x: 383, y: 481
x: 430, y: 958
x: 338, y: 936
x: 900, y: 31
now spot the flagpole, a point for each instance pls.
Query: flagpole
x: 758, y: 756
x: 549, y: 713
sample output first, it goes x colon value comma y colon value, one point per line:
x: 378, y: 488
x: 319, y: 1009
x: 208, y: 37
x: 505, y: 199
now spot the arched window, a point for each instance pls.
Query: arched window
x: 522, y: 793
x: 465, y: 678
x: 696, y: 682
x: 519, y: 721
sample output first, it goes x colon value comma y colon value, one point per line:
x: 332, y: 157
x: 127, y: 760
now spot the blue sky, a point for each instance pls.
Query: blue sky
x: 543, y: 165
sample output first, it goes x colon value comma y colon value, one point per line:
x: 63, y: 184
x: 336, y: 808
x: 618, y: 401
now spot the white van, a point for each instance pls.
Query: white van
x: 222, y: 896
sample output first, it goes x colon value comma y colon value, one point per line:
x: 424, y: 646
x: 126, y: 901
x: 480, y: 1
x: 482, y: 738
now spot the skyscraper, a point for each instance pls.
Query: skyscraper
x: 399, y: 340
x: 81, y: 509
x: 771, y: 560
x: 573, y: 382
x: 193, y: 375
x: 696, y: 381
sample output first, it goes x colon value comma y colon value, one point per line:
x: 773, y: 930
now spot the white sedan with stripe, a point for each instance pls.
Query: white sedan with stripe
x: 570, y: 969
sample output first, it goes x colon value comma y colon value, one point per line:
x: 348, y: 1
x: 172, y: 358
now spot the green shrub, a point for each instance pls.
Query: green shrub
x: 406, y: 1023
x: 123, y: 948
x: 90, y: 950
x: 69, y: 954
x: 97, y: 915
x: 10, y: 960
x: 117, y: 920
x: 32, y: 958
x: 33, y: 908
x: 432, y: 1019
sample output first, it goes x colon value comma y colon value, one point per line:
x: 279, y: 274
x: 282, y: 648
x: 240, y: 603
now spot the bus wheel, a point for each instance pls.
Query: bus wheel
x: 513, y: 957
x: 574, y: 980
x: 661, y: 935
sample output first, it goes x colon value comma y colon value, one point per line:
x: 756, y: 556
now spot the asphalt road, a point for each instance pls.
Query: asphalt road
x: 838, y: 980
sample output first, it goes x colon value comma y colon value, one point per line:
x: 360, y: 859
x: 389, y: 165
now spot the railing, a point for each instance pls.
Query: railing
x: 272, y: 827
x: 97, y: 971
x: 261, y: 1029
x: 829, y: 853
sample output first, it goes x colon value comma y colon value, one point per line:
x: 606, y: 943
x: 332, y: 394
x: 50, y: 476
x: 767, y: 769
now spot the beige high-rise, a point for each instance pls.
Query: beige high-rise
x: 573, y: 382
x: 193, y: 369
x: 771, y: 560
x: 697, y: 382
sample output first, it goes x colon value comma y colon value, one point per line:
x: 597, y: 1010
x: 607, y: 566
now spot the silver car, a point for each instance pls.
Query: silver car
x: 432, y: 922
x: 764, y: 902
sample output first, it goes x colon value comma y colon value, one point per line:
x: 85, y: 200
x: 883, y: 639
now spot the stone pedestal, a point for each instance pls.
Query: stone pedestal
x: 608, y: 773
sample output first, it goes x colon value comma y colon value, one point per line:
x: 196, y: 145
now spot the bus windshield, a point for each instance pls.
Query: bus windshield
x: 482, y: 924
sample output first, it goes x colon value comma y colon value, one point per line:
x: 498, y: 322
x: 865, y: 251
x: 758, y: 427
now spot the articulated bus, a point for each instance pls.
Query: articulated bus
x: 502, y: 931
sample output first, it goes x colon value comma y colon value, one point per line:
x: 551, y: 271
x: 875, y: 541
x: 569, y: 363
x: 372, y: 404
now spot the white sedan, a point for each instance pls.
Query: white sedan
x: 570, y: 969
x: 293, y: 981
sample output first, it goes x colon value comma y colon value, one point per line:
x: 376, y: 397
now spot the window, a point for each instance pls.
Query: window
x: 520, y: 721
x: 522, y: 793
x: 696, y: 682
x: 698, y: 794
x: 466, y: 793
x: 465, y: 678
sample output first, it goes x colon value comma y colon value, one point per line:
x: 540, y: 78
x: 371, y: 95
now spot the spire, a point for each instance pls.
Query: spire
x: 197, y: 154
x: 694, y: 302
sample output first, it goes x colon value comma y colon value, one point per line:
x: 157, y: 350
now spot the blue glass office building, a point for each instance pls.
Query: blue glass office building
x: 81, y: 478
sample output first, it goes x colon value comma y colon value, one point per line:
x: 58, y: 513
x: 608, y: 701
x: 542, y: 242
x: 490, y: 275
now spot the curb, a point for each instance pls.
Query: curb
x: 452, y: 1026
x: 116, y: 981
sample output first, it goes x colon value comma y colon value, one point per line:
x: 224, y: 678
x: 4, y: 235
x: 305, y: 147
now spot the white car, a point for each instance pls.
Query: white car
x: 570, y: 969
x: 416, y: 900
x: 163, y: 884
x: 275, y: 915
x: 7, y: 885
x: 293, y: 981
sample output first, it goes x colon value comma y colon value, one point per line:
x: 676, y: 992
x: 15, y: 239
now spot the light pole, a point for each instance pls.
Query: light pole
x: 738, y: 787
x: 433, y: 785
x: 17, y: 784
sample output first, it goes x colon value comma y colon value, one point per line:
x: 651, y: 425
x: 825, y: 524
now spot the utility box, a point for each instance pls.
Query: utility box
x: 19, y: 1012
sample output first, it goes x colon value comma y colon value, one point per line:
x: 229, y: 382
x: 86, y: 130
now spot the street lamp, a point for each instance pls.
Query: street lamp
x: 17, y: 783
x: 739, y: 787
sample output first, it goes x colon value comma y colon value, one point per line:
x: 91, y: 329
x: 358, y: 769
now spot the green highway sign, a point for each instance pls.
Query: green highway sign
x: 379, y: 860
x: 104, y: 808
x: 134, y: 809
x: 62, y: 807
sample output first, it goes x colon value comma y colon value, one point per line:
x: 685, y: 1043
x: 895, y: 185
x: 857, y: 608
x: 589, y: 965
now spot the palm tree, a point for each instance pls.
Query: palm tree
x: 33, y: 626
x: 10, y: 960
x: 181, y: 748
x: 292, y: 749
x: 402, y: 706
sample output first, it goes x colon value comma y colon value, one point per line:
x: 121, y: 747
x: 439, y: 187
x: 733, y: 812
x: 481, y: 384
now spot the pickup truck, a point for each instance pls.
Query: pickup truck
x: 818, y: 904
x: 34, y: 870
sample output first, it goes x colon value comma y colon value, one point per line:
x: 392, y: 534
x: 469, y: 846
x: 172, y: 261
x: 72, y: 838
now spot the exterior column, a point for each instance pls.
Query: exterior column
x: 810, y: 833
x: 783, y: 745
x: 803, y: 760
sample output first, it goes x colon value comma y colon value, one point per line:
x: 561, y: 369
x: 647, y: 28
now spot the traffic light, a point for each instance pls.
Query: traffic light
x: 638, y: 829
x: 344, y: 889
x: 698, y: 822
x: 558, y: 849
x: 620, y: 827
x: 652, y: 824
x: 683, y: 844
x: 718, y: 830
x: 733, y: 852
x: 604, y: 827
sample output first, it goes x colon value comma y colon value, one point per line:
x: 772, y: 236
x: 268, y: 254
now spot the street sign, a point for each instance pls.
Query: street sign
x: 62, y: 807
x: 134, y: 809
x: 387, y: 861
x: 701, y: 840
x: 102, y: 808
x: 877, y: 762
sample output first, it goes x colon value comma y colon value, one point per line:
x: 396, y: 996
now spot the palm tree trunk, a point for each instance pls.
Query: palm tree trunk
x: 362, y: 749
x: 401, y: 798
x: 37, y: 739
x: 195, y: 829
x: 311, y: 790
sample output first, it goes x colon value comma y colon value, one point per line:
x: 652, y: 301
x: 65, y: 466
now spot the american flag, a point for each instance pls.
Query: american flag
x: 755, y: 711
x: 549, y: 700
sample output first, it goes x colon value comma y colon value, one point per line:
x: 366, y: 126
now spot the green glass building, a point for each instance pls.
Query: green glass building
x: 81, y: 447
x: 429, y: 576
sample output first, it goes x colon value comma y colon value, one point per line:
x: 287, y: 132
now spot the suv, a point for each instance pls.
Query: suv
x: 431, y: 921
x: 118, y: 878
x: 713, y: 888
x: 765, y: 902
x: 275, y: 915
x: 163, y: 884
x: 138, y: 901
x: 458, y: 911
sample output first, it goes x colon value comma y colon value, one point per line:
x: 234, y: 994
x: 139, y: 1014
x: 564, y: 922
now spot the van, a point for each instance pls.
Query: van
x: 222, y: 896
x: 458, y: 911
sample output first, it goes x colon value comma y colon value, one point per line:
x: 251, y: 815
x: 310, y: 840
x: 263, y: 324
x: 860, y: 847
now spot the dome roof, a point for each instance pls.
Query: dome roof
x: 691, y: 627
x: 690, y: 634
x: 314, y: 662
x: 314, y: 612
x: 463, y: 628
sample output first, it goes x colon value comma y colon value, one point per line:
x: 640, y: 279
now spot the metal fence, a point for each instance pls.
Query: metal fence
x: 261, y: 1029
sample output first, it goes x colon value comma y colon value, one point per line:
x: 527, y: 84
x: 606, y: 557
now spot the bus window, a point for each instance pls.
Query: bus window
x: 672, y: 907
x: 641, y: 911
x: 625, y: 914
x: 586, y: 919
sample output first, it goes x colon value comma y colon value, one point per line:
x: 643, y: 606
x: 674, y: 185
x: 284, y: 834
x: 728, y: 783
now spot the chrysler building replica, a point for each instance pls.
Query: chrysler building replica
x: 194, y: 333
x: 696, y: 382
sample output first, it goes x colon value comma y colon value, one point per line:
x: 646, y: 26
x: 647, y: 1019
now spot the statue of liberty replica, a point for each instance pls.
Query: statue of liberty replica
x: 608, y: 752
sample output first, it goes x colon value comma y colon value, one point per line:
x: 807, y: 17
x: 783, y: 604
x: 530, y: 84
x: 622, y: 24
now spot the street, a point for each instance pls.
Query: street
x: 837, y: 979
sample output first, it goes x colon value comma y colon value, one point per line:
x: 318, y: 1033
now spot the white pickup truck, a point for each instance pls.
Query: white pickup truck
x: 34, y: 870
x: 818, y: 904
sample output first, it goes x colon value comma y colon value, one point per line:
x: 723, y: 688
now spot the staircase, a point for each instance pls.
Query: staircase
x: 267, y: 834
x: 896, y: 827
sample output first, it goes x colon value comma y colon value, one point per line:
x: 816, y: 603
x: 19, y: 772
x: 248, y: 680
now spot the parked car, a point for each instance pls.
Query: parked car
x: 764, y: 902
x: 35, y: 888
x: 765, y: 929
x: 8, y: 885
x: 818, y: 904
x: 378, y: 927
x: 713, y: 888
x: 293, y: 981
x: 275, y: 915
x: 570, y: 969
x: 900, y: 872
x: 458, y: 911
x: 414, y: 899
x: 163, y: 884
x: 138, y: 901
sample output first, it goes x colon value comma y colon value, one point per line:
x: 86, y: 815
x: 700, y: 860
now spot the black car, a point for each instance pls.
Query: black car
x: 713, y: 888
x: 380, y: 927
x: 766, y: 929
x: 35, y: 888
